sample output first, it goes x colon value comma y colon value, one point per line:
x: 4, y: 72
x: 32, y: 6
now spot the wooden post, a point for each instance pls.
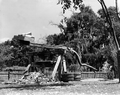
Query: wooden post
x: 27, y: 68
x: 60, y: 68
x: 64, y: 65
x: 8, y: 74
x: 56, y: 67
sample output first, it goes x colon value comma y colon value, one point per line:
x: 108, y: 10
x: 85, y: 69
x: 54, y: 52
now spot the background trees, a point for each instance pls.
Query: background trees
x: 89, y: 35
x: 86, y: 32
x: 5, y: 54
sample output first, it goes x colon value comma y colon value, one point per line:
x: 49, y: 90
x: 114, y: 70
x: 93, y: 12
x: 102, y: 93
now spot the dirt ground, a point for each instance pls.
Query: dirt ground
x: 83, y: 87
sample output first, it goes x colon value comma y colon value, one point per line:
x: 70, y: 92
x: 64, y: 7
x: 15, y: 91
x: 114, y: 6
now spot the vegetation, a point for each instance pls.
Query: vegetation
x: 86, y: 32
x: 77, y: 5
x: 5, y: 54
x: 89, y: 34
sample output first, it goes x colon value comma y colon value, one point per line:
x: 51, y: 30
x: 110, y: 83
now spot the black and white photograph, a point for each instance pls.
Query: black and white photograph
x: 59, y: 47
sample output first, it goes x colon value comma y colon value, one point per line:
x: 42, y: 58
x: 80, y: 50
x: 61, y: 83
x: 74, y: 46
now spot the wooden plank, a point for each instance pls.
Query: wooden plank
x: 56, y: 67
x: 27, y: 68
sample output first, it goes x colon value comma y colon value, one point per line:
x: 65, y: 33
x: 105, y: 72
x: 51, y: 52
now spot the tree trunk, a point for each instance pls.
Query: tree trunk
x: 116, y: 3
x: 113, y: 34
x: 118, y: 57
x: 118, y: 53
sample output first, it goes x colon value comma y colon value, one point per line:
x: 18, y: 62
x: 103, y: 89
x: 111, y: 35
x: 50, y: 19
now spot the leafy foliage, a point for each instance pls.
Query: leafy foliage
x: 67, y: 4
x: 5, y: 53
x: 88, y: 34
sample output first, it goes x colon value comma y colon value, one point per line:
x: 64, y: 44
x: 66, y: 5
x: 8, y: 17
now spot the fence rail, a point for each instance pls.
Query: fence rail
x: 84, y: 75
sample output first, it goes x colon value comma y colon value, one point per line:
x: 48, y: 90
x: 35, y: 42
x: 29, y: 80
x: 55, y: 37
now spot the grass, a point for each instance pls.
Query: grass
x: 83, y: 87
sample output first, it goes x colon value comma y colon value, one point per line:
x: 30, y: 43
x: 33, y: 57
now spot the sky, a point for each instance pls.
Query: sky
x: 35, y: 16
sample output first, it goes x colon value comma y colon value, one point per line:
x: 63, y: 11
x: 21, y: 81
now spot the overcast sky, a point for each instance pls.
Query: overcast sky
x: 21, y: 16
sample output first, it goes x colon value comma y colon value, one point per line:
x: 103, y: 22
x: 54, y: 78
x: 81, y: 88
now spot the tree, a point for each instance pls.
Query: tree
x: 5, y: 54
x: 118, y: 13
x: 55, y: 39
x: 68, y: 3
x: 115, y: 27
x: 86, y: 33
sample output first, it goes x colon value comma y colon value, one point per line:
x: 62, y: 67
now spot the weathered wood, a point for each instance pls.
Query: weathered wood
x: 56, y: 67
x: 27, y: 69
x: 8, y: 75
x: 64, y: 65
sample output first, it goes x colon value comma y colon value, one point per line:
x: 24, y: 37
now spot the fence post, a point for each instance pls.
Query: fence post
x: 8, y: 74
x: 94, y: 74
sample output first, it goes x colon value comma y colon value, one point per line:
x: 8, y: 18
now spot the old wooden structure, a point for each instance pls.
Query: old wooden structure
x: 59, y: 65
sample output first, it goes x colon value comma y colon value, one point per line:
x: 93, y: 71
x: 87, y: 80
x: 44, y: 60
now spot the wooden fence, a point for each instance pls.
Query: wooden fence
x: 17, y: 75
x: 85, y: 75
x: 4, y: 76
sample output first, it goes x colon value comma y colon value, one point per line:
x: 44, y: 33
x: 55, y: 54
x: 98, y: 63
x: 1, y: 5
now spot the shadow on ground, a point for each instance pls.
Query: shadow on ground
x: 34, y: 86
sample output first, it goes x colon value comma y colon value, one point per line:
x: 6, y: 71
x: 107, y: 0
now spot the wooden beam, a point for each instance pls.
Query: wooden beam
x: 56, y: 67
x: 27, y: 68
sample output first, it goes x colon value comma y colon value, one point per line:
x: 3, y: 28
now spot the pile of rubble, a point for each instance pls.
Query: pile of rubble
x: 34, y: 77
